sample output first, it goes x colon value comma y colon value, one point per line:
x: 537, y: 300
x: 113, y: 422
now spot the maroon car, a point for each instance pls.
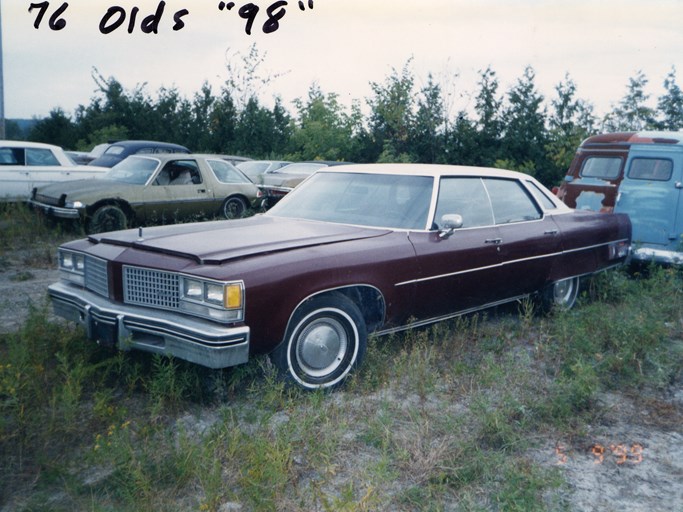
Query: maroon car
x: 354, y: 250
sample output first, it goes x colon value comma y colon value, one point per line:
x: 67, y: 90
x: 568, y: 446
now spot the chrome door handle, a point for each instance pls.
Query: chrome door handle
x: 551, y: 232
x: 494, y: 241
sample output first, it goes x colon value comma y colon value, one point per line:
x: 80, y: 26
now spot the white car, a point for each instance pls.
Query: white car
x: 25, y: 165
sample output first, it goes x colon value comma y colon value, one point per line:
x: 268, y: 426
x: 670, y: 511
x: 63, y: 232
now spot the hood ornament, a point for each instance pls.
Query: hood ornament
x: 140, y: 239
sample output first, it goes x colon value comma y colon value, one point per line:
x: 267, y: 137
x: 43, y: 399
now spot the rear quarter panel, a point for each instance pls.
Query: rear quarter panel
x: 586, y: 237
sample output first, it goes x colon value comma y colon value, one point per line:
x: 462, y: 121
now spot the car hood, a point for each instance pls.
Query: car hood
x: 87, y: 189
x: 217, y: 242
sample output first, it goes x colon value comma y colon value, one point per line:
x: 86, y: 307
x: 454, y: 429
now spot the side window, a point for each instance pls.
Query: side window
x: 541, y: 196
x: 11, y: 156
x: 652, y: 169
x: 180, y: 172
x: 511, y: 203
x: 225, y: 172
x: 36, y: 156
x: 146, y: 151
x: 466, y: 197
x: 603, y: 167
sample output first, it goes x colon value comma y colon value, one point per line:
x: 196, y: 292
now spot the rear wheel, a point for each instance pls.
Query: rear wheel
x: 561, y: 294
x: 107, y: 218
x: 325, y: 341
x: 234, y: 207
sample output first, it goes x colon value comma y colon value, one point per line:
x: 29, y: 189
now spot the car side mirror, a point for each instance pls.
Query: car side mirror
x: 449, y: 223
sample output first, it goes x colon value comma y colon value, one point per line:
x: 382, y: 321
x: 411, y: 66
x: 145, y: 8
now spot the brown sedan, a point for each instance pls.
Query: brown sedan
x: 354, y: 250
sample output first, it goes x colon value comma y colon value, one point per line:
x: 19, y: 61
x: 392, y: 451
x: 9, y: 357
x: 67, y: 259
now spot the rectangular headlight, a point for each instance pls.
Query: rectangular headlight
x: 193, y: 289
x: 71, y: 261
x: 213, y: 299
x: 215, y: 293
x: 72, y: 266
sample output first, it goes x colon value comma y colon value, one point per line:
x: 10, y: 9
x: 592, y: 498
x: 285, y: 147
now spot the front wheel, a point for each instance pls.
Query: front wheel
x: 325, y: 341
x: 107, y: 218
x: 561, y: 294
x: 233, y: 207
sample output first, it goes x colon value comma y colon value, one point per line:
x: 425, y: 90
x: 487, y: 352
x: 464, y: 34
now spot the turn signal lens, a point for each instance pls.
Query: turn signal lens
x: 233, y: 296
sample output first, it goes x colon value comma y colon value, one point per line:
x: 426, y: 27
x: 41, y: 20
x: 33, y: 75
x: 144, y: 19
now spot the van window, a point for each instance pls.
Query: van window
x: 604, y: 167
x: 652, y: 169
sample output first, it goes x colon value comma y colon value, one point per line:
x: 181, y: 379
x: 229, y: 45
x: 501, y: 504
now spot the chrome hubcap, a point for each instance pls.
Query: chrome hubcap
x: 322, y: 346
x: 563, y: 291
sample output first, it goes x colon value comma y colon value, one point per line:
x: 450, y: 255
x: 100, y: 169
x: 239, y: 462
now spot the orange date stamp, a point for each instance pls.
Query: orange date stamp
x: 620, y: 454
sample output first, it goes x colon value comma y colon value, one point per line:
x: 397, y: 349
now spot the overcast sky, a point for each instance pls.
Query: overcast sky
x: 343, y: 45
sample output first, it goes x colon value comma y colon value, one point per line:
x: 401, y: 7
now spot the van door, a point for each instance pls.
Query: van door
x: 651, y: 194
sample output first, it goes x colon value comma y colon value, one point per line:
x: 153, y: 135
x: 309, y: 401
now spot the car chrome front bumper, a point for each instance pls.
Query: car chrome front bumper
x: 55, y: 211
x: 131, y: 327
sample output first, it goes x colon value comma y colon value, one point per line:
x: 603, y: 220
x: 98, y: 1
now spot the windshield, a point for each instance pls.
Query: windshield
x: 378, y: 200
x: 134, y: 170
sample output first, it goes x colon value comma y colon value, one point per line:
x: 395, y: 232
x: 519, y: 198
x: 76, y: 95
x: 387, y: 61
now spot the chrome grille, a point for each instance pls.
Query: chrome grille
x: 151, y: 288
x: 96, y: 279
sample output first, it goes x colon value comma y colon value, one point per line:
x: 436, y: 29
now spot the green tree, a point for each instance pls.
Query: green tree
x: 632, y: 112
x: 199, y: 130
x: 462, y: 143
x: 323, y: 129
x: 670, y: 105
x: 57, y: 129
x: 254, y: 130
x: 282, y: 129
x: 391, y: 115
x: 170, y: 118
x: 428, y: 128
x: 13, y: 131
x: 525, y: 136
x: 245, y: 77
x: 223, y: 121
x: 114, y: 106
x: 488, y: 125
x: 106, y: 134
x: 571, y: 120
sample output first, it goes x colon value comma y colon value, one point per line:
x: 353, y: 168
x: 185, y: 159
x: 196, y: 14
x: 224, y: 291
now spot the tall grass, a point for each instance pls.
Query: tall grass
x: 436, y: 419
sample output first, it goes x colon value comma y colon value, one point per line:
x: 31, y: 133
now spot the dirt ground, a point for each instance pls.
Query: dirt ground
x: 630, y: 460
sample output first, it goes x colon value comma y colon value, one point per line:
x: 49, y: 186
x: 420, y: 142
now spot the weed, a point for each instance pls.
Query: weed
x: 436, y: 419
x: 22, y: 276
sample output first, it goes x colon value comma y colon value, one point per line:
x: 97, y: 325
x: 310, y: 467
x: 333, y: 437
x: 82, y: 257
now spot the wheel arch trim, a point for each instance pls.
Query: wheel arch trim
x: 350, y: 291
